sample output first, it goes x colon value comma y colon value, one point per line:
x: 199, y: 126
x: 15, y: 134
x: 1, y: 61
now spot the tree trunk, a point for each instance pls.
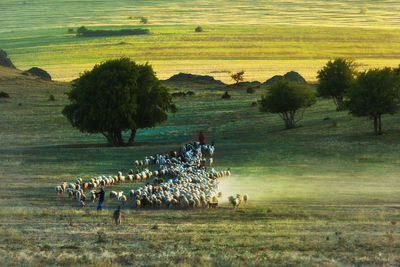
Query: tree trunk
x: 114, y: 138
x: 131, y: 140
x: 288, y: 117
x: 339, y: 103
x: 376, y: 125
x: 379, y: 124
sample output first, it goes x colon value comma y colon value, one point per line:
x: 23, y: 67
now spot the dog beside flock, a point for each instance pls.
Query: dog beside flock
x: 180, y: 180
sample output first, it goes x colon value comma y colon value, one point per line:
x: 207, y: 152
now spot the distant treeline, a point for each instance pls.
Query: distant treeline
x: 84, y: 32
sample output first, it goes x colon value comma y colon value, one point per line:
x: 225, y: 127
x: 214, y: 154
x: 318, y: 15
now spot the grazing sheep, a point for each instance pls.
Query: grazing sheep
x: 245, y: 199
x: 240, y: 198
x: 213, y: 202
x: 113, y: 194
x: 85, y: 185
x: 118, y: 216
x: 137, y: 203
x: 234, y: 201
x: 123, y: 199
x: 59, y: 189
x: 92, y: 195
x: 78, y: 194
x: 71, y: 186
x: 179, y: 181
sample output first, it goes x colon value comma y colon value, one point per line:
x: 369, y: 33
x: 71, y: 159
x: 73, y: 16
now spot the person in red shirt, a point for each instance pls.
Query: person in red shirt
x: 201, y: 138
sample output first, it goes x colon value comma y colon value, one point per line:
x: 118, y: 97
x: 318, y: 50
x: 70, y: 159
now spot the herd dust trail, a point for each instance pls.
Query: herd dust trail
x: 258, y: 189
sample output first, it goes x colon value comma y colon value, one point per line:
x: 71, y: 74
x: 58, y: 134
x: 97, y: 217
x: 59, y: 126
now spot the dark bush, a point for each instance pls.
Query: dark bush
x: 198, y: 29
x: 251, y: 90
x: 178, y: 94
x: 253, y: 104
x: 190, y: 93
x: 84, y: 32
x: 4, y: 94
x: 144, y: 20
x: 226, y: 95
x: 70, y: 30
x: 52, y: 98
x: 4, y: 60
x: 35, y: 71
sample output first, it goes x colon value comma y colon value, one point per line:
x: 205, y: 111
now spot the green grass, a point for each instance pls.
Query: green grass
x: 329, y: 179
x: 326, y: 193
x: 29, y: 14
x: 262, y: 51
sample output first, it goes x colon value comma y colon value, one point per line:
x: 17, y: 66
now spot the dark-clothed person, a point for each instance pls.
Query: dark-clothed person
x: 100, y: 195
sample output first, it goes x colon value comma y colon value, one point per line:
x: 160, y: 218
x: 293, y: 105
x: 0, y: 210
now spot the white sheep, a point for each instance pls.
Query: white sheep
x: 245, y: 199
x: 113, y: 194
x: 123, y: 199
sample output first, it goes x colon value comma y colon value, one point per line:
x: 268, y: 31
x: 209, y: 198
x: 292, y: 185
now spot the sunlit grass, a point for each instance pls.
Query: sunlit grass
x: 262, y: 51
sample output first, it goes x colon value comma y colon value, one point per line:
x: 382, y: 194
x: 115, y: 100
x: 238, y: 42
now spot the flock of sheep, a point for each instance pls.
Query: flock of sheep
x: 180, y: 180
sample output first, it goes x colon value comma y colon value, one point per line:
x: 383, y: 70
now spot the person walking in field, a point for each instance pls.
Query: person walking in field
x: 201, y: 138
x: 100, y: 195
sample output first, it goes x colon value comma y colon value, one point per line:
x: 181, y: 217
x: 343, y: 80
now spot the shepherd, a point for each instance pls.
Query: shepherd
x: 100, y: 195
x: 201, y: 138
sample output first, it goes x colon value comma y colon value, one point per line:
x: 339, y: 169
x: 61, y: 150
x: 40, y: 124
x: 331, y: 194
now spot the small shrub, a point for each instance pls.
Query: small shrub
x: 178, y: 94
x: 254, y: 104
x: 251, y: 90
x: 101, y: 237
x: 45, y: 247
x: 70, y: 30
x: 226, y: 95
x: 4, y: 94
x: 190, y: 93
x: 144, y: 20
x: 363, y: 11
x: 52, y: 98
x: 198, y: 29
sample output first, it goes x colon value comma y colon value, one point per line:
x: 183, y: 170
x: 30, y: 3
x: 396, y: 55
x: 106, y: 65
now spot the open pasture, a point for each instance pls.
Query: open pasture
x: 262, y: 51
x: 42, y: 14
x: 262, y: 38
x: 324, y: 193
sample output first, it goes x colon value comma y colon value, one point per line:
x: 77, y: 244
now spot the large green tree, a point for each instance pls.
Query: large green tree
x: 335, y: 78
x: 117, y: 95
x: 287, y: 99
x: 375, y: 92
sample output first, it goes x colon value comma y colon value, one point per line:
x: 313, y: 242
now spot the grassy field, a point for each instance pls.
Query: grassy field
x: 326, y: 193
x: 262, y: 51
x: 42, y: 14
x: 262, y: 38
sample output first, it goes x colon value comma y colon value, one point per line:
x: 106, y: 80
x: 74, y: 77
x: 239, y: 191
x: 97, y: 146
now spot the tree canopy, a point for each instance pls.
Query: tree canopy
x: 287, y: 98
x: 238, y: 76
x: 374, y: 93
x: 116, y: 96
x: 335, y: 78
